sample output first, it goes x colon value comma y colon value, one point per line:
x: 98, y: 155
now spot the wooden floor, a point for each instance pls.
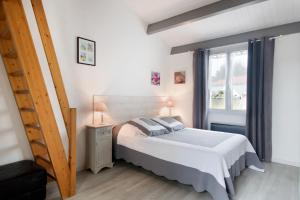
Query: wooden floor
x: 127, y: 182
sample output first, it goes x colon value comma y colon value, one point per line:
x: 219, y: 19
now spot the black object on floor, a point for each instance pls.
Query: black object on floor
x: 23, y: 180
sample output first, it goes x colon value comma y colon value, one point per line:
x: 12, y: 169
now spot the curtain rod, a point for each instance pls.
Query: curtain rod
x: 271, y: 38
x: 284, y: 29
x: 275, y: 37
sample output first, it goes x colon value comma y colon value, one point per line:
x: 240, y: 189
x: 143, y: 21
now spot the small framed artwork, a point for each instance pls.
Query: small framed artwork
x: 155, y: 78
x: 86, y: 51
x: 179, y: 77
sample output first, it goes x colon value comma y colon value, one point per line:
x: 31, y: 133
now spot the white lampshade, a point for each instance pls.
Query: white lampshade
x: 170, y: 103
x: 100, y: 107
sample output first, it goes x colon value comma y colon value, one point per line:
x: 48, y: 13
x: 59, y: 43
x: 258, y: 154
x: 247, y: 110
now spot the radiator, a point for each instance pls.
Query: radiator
x: 228, y: 128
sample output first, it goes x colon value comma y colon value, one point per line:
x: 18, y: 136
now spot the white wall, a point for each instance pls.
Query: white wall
x: 182, y: 94
x: 286, y: 101
x: 126, y: 55
x: 286, y: 105
x: 13, y: 145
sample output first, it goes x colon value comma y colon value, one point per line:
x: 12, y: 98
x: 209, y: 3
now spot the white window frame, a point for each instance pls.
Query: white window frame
x: 228, y: 87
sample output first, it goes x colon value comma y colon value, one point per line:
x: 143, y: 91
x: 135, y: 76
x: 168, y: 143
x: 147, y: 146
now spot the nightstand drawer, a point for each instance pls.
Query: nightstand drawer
x: 107, y: 132
x: 103, y: 137
x: 104, y: 130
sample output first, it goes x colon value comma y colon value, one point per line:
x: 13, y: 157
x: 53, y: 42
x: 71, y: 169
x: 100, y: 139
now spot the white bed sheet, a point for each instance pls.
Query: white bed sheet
x: 208, y: 151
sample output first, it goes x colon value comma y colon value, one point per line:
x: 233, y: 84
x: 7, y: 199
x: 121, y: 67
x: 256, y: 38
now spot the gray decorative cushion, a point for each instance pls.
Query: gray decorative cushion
x: 170, y: 123
x: 149, y: 127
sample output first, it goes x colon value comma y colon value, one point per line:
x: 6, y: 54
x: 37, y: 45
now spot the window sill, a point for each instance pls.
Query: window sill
x: 228, y: 112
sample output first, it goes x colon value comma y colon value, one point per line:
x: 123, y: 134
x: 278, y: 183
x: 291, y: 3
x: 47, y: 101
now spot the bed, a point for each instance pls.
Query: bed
x: 207, y: 160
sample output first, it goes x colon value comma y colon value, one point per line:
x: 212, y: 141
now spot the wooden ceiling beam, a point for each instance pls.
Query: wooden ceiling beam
x: 210, y: 10
x: 285, y: 29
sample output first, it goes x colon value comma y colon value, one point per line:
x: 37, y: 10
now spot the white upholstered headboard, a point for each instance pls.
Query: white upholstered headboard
x: 124, y: 108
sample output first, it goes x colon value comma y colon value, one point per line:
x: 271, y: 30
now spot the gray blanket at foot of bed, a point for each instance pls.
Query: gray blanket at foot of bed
x: 201, y: 181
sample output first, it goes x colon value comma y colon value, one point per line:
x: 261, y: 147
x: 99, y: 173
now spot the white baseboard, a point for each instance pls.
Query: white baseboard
x: 286, y: 162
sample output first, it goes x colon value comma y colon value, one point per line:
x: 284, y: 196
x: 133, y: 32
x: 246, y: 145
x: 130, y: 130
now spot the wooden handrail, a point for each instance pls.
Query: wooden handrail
x: 72, y: 151
x: 44, y: 30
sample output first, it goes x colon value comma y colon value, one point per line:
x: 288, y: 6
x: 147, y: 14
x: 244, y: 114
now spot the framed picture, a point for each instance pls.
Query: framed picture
x: 86, y: 51
x: 155, y: 78
x: 179, y: 77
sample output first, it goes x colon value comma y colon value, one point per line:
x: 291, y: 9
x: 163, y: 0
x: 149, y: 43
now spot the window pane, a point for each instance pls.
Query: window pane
x: 217, y: 81
x: 238, y: 80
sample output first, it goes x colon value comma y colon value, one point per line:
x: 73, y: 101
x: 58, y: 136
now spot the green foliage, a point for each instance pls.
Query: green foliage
x: 219, y: 95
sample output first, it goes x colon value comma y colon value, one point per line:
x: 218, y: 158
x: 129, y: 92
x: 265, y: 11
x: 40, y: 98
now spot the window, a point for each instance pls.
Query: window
x: 238, y: 80
x: 217, y: 77
x: 228, y: 79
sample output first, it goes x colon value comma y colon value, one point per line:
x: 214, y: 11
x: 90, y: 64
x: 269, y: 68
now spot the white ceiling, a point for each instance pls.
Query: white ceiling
x: 151, y: 11
x: 258, y: 16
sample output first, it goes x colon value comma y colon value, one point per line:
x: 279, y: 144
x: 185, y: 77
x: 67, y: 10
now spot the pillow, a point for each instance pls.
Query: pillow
x: 148, y: 126
x: 170, y: 123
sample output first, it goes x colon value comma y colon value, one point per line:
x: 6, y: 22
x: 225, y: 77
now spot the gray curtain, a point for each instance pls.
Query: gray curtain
x: 200, y: 86
x: 259, y: 96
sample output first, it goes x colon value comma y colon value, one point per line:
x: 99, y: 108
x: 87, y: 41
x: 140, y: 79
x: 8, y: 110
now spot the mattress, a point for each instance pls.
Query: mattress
x: 207, y: 160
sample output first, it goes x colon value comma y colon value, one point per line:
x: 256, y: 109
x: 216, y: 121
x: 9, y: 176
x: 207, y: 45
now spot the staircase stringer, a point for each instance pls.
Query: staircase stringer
x: 48, y: 46
x: 69, y: 114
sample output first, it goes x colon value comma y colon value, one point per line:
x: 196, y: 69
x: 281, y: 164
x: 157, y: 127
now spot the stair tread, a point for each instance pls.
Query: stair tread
x: 11, y: 54
x: 27, y: 109
x: 51, y: 176
x: 16, y: 73
x: 34, y: 134
x: 38, y: 142
x: 5, y: 33
x: 45, y: 163
x: 22, y: 91
x: 2, y: 14
x: 44, y: 159
x: 35, y: 126
x: 38, y: 148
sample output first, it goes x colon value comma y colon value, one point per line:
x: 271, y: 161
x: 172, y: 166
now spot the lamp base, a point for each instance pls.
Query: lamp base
x: 170, y: 112
x: 95, y: 122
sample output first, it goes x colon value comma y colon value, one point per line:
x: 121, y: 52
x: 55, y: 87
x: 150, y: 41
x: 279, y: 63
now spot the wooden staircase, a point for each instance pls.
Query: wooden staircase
x: 27, y: 82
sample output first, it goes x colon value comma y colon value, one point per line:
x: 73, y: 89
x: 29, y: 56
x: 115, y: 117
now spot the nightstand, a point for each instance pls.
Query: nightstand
x: 99, y: 141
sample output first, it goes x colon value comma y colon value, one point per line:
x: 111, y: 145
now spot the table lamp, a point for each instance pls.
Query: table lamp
x: 100, y: 107
x: 170, y: 105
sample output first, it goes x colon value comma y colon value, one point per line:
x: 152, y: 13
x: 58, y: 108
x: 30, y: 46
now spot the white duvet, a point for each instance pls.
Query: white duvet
x: 208, y: 151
